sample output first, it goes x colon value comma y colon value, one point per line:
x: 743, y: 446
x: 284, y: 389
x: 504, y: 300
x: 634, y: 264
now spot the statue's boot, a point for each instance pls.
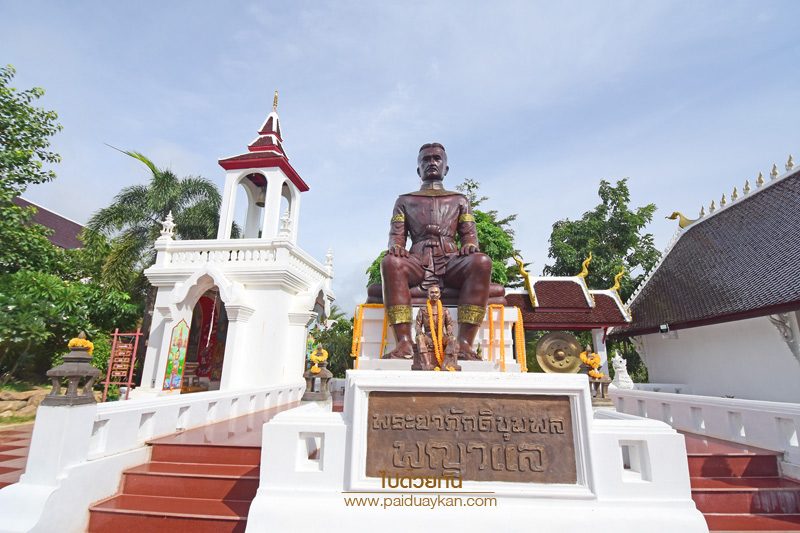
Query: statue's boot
x: 466, y: 338
x: 450, y: 361
x: 405, y: 345
x: 424, y: 360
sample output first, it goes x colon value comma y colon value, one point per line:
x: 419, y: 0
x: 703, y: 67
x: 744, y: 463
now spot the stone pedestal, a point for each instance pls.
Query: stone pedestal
x: 528, y: 446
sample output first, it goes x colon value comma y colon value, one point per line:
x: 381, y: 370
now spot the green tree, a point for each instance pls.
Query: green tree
x: 40, y: 312
x: 495, y: 236
x: 133, y: 220
x: 25, y: 132
x: 47, y: 295
x: 614, y: 234
x: 336, y: 336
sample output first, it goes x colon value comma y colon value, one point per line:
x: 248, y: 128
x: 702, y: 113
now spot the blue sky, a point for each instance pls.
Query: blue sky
x: 538, y: 101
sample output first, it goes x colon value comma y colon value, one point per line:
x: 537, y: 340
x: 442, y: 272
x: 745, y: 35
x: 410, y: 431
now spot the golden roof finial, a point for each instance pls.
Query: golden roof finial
x: 724, y: 201
x: 527, y: 278
x: 712, y: 207
x: 790, y: 163
x: 735, y: 195
x: 774, y: 172
x: 617, y: 279
x: 760, y: 179
x: 275, y: 101
x: 702, y: 211
x: 585, y: 267
x: 683, y: 220
x: 746, y: 188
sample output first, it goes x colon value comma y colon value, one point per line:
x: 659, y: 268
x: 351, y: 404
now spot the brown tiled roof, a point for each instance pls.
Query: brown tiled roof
x: 744, y: 261
x: 64, y: 231
x: 560, y: 294
x: 605, y: 313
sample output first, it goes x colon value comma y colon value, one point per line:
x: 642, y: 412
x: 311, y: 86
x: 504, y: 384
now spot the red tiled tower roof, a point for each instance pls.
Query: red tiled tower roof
x: 266, y: 151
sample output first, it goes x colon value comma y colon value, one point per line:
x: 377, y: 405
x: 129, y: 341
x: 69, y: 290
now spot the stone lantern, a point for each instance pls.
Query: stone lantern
x: 319, y: 358
x: 76, y: 367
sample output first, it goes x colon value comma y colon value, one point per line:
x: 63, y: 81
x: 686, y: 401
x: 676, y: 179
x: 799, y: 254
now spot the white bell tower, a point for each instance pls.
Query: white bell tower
x: 270, y: 288
x: 271, y: 184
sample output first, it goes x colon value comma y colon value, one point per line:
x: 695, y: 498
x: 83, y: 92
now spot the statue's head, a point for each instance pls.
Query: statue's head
x: 432, y: 162
x: 434, y: 293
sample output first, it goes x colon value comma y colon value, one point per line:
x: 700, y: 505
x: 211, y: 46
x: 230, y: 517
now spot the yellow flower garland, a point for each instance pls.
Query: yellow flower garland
x: 519, y: 334
x: 77, y: 342
x: 436, y: 333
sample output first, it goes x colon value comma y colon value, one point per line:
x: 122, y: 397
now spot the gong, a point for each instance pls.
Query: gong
x: 559, y: 352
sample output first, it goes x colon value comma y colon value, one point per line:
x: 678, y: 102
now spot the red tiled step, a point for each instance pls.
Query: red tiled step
x: 746, y: 495
x: 733, y: 466
x: 229, y: 455
x: 188, y: 480
x: 158, y: 513
x: 752, y: 522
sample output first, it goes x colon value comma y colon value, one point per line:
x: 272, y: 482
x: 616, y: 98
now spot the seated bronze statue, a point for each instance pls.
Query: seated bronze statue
x: 436, y: 343
x: 433, y: 217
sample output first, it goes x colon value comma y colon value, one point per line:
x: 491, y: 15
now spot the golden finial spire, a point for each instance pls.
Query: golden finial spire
x: 735, y: 195
x: 746, y: 188
x: 702, y: 211
x: 760, y: 179
x: 724, y: 201
x: 790, y: 163
x: 585, y: 266
x: 774, y: 172
x: 275, y: 101
x: 712, y: 207
x: 617, y: 279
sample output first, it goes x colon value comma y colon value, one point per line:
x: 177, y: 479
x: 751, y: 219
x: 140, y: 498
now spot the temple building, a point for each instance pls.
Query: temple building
x: 719, y: 313
x: 64, y: 232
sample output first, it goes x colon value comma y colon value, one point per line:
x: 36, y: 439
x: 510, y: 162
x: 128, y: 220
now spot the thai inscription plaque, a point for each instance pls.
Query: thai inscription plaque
x: 520, y: 438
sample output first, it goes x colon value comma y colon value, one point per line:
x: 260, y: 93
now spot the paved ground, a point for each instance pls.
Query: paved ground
x: 14, y: 444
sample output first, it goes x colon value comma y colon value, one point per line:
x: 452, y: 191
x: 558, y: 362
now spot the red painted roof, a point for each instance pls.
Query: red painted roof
x: 65, y: 231
x: 560, y: 294
x: 266, y: 152
x: 604, y: 314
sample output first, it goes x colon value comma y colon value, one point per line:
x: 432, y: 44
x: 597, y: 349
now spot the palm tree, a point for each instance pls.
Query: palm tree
x: 133, y: 220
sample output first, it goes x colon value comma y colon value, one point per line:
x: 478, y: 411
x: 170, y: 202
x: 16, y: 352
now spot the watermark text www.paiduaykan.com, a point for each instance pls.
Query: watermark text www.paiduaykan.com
x: 420, y: 493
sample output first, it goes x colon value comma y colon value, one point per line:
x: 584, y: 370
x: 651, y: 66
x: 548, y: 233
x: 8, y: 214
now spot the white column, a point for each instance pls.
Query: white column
x: 294, y: 213
x: 600, y: 349
x: 273, y: 205
x: 226, y: 210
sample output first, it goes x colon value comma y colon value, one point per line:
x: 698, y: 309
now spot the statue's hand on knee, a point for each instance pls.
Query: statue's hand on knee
x: 398, y: 251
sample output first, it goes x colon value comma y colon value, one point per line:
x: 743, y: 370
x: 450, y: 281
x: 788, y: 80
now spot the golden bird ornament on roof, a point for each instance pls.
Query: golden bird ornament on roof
x: 683, y: 220
x: 527, y: 279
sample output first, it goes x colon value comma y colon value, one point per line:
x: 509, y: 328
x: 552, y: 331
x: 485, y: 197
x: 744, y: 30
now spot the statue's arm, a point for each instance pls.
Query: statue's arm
x: 448, y: 323
x: 420, y: 324
x: 398, y: 231
x: 467, y: 229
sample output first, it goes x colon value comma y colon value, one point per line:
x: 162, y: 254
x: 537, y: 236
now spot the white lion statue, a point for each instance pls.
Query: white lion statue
x: 621, y: 378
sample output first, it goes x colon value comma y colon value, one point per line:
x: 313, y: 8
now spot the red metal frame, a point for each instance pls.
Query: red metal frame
x: 114, y: 346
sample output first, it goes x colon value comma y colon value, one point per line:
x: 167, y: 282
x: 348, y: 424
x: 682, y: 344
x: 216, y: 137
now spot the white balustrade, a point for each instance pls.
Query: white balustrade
x: 769, y: 425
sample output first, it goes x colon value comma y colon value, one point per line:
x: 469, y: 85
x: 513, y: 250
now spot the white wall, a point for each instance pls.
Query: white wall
x: 746, y: 359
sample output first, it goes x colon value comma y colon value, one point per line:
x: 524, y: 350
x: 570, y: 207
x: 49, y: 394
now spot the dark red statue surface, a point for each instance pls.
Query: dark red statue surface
x: 432, y: 217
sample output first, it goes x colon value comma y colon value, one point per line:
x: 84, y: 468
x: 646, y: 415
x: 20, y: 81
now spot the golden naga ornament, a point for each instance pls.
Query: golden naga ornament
x: 559, y: 352
x: 585, y: 266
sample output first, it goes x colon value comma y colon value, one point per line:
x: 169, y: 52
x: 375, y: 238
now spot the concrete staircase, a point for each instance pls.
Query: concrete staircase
x: 738, y: 488
x: 199, y: 480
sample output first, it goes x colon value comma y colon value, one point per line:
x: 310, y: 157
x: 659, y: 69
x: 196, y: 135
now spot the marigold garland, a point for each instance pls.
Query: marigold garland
x: 592, y: 360
x: 77, y: 342
x: 519, y: 334
x: 436, y: 333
